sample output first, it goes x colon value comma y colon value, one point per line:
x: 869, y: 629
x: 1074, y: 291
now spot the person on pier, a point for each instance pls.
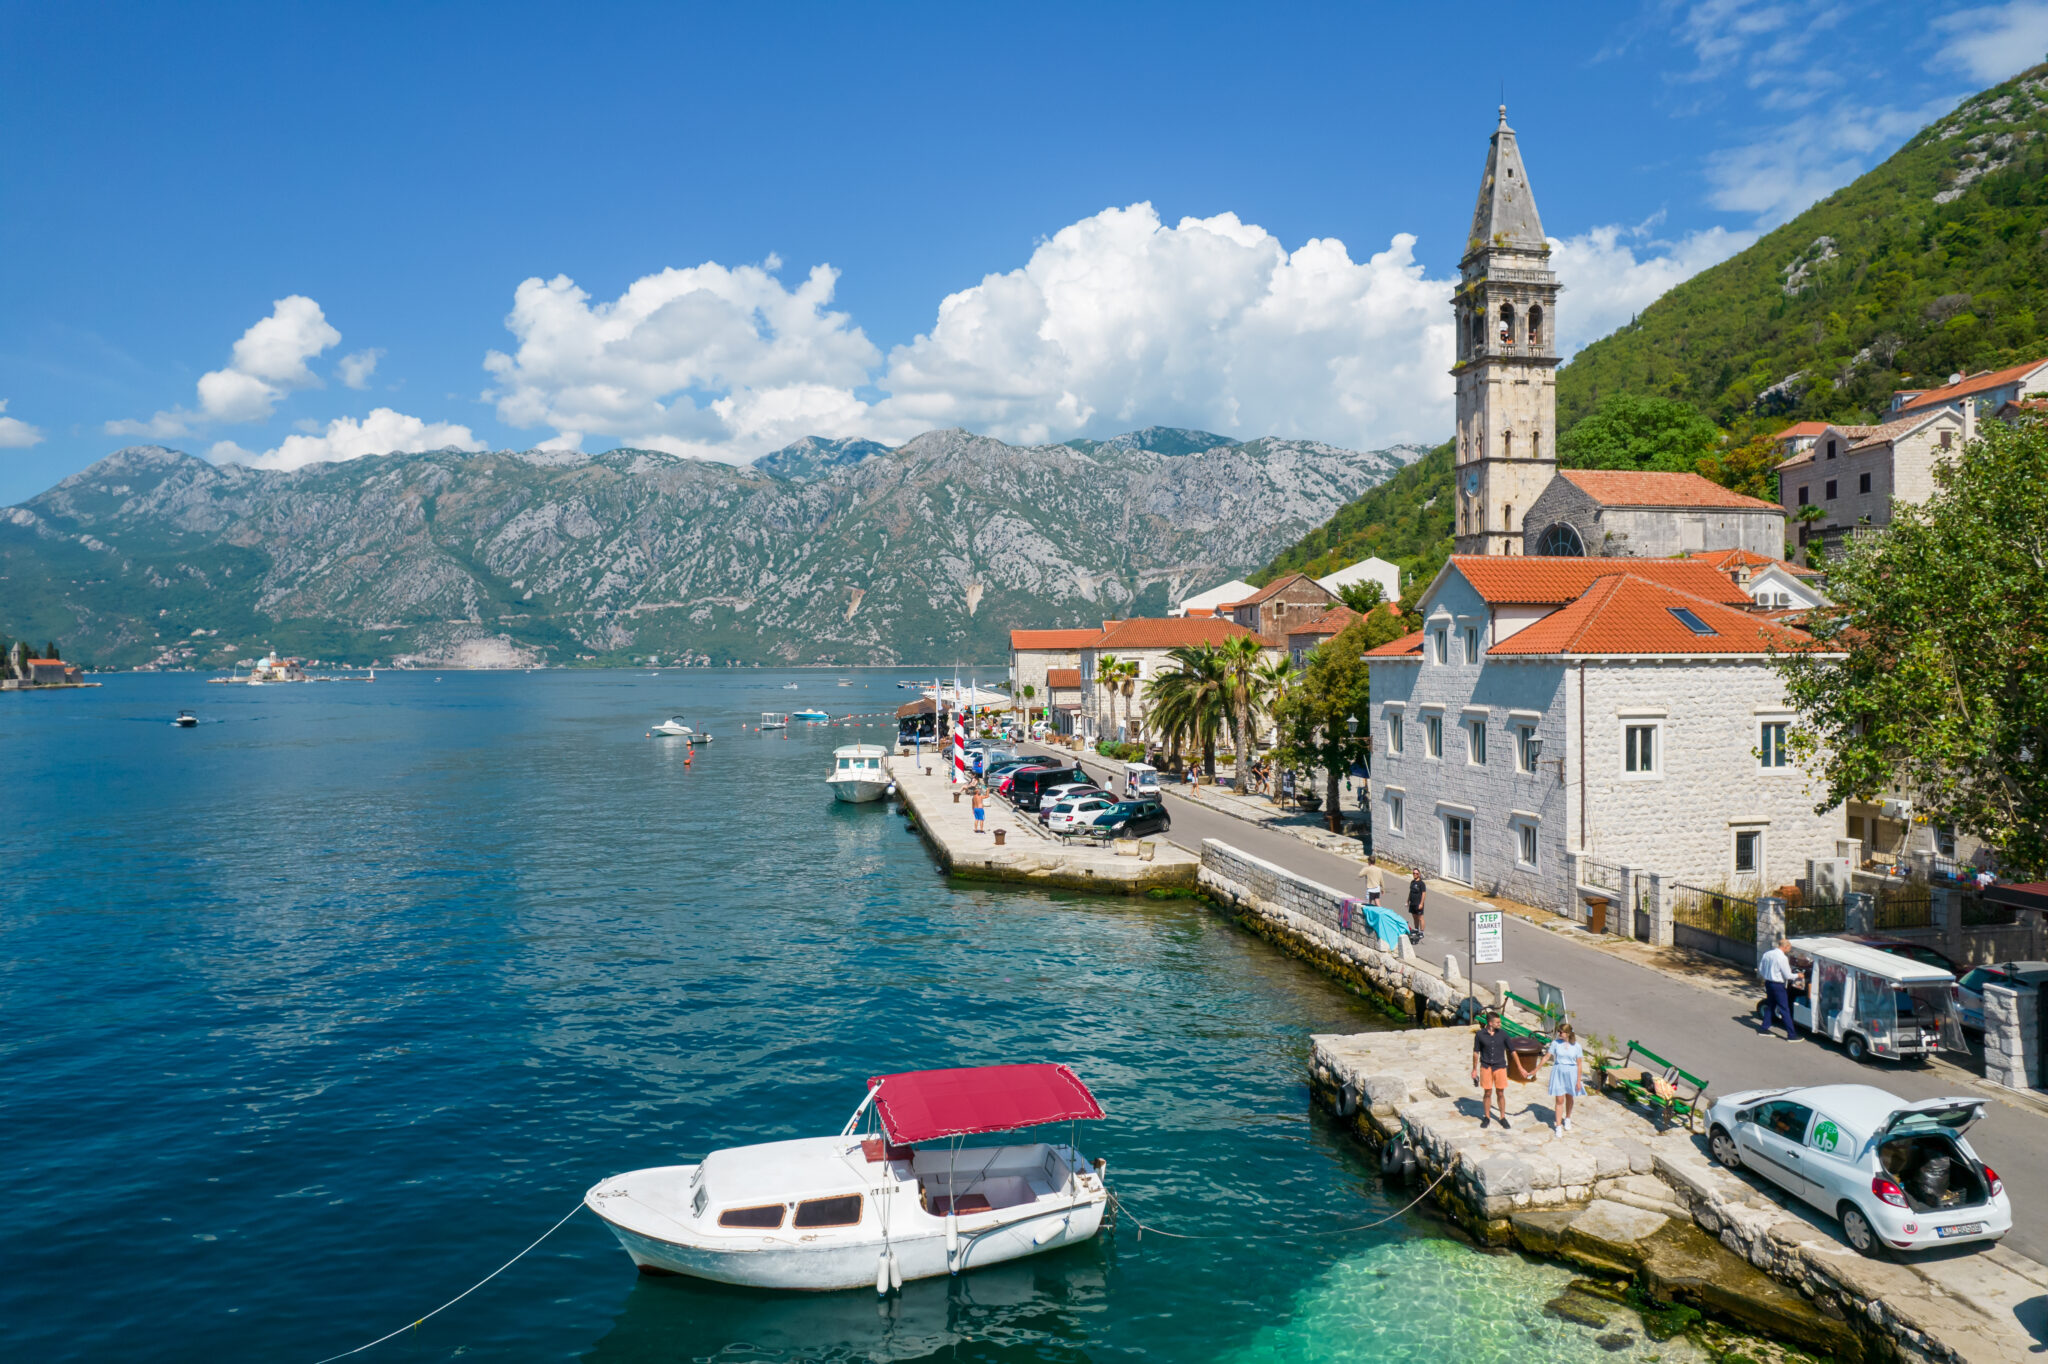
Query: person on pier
x: 1490, y: 1069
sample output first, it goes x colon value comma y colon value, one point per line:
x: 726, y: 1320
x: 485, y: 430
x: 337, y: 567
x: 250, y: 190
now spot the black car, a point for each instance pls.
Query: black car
x: 1134, y: 819
x: 1029, y: 786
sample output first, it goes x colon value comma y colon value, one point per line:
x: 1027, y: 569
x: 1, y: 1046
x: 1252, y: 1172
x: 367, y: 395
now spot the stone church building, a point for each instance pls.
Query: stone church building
x: 1511, y: 496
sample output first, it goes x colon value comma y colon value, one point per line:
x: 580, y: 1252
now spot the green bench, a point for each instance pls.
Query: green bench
x: 1691, y: 1107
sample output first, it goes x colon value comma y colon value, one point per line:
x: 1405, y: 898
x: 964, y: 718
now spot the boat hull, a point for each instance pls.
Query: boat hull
x: 858, y: 790
x: 984, y: 1241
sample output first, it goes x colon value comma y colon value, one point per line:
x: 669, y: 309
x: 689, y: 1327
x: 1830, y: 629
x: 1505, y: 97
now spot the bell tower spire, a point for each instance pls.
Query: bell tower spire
x: 1506, y: 371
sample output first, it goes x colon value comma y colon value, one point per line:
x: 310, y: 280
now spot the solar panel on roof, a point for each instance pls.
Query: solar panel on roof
x: 1691, y: 621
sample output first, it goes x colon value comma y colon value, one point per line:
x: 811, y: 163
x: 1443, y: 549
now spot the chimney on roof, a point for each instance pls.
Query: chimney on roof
x: 1742, y: 575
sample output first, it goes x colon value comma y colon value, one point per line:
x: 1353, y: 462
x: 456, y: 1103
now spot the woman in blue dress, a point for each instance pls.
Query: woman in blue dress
x: 1565, y: 1055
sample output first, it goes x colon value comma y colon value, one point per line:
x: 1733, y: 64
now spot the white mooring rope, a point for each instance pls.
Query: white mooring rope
x: 413, y: 1326
x: 1277, y: 1235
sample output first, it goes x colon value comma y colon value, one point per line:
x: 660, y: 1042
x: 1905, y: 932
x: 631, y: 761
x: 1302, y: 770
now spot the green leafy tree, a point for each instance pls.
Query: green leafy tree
x: 1241, y: 656
x: 1750, y: 468
x: 1932, y: 679
x: 1364, y: 598
x: 1635, y: 431
x: 1187, y: 702
x: 1324, y: 717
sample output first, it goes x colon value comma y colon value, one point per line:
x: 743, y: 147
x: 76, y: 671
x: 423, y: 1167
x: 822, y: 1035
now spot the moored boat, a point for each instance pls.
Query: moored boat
x: 814, y: 716
x: 823, y: 1213
x: 674, y: 728
x: 774, y: 719
x: 857, y: 774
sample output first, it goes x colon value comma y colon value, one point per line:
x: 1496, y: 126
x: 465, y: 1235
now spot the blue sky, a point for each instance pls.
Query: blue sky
x: 278, y: 234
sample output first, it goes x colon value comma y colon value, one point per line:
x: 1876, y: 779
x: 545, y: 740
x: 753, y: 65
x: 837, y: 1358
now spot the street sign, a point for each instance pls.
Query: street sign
x: 1486, y: 935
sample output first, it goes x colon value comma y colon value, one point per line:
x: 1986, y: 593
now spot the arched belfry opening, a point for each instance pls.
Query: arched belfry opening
x: 1535, y: 325
x: 1507, y: 324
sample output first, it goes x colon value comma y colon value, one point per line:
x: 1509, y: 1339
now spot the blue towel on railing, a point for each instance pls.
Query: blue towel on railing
x: 1386, y: 924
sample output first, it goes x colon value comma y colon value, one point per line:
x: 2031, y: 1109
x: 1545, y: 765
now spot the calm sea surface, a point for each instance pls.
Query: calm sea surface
x: 315, y: 1014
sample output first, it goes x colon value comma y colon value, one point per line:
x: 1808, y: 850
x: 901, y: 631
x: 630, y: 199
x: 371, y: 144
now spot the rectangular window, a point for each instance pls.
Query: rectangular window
x: 1394, y: 813
x: 1639, y: 748
x: 1397, y: 735
x: 1831, y: 490
x: 1803, y: 498
x: 1525, y: 844
x: 1526, y: 748
x: 1475, y: 743
x: 1946, y: 438
x: 1433, y: 735
x: 1863, y: 483
x: 1856, y: 827
x: 1471, y: 644
x: 1831, y: 449
x: 1749, y: 851
x: 1945, y: 840
x: 768, y: 1215
x: 829, y: 1212
x: 1443, y: 645
x: 1772, y: 750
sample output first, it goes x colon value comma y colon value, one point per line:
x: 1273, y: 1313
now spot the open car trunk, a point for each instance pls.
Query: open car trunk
x: 1934, y: 1172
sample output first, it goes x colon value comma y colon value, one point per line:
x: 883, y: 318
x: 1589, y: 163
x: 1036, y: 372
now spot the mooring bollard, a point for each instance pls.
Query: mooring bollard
x: 999, y: 837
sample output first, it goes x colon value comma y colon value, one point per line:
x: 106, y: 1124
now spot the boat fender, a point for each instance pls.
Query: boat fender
x: 882, y: 1275
x: 1052, y: 1232
x: 952, y: 1239
x: 895, y: 1272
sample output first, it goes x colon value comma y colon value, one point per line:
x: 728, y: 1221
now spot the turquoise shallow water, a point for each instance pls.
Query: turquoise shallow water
x: 318, y: 1012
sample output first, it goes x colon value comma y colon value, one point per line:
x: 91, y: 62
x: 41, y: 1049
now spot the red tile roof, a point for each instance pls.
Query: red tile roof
x: 1052, y: 639
x: 1532, y: 580
x: 1331, y: 622
x: 1728, y: 560
x: 1283, y: 581
x: 1625, y: 613
x: 1633, y: 488
x: 33, y: 661
x: 1170, y: 633
x: 1063, y: 679
x: 1800, y: 430
x: 1405, y: 646
x: 1974, y: 383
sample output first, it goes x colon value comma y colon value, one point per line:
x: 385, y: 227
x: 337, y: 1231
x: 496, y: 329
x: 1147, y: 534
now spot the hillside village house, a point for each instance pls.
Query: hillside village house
x: 1288, y: 600
x: 1208, y: 603
x: 1980, y: 395
x: 1855, y: 473
x: 1647, y: 515
x: 1148, y: 643
x: 1035, y: 653
x: 1620, y: 709
x: 1303, y: 639
x: 1368, y: 570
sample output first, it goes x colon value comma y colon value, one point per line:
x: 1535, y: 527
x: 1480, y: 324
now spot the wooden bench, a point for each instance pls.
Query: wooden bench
x: 1691, y: 1106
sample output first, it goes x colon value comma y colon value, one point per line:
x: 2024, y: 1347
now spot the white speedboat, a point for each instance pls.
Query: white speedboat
x: 186, y: 719
x: 674, y: 728
x: 810, y: 716
x: 857, y: 773
x: 789, y: 686
x: 774, y: 719
x: 840, y: 1212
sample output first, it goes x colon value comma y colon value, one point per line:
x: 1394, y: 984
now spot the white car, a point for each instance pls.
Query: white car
x: 1078, y: 811
x: 1897, y: 1174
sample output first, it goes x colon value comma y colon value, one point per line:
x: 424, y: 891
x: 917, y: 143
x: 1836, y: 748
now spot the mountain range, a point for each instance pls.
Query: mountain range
x: 829, y: 552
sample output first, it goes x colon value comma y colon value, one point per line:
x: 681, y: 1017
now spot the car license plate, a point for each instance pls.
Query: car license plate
x: 1961, y: 1229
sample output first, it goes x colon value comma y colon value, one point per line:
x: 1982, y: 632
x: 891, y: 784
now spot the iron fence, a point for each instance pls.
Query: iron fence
x: 1599, y: 874
x: 1903, y: 907
x: 1821, y: 918
x: 1714, y: 911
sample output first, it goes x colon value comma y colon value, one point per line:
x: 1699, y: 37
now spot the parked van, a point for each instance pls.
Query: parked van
x: 1026, y: 788
x: 1873, y: 1003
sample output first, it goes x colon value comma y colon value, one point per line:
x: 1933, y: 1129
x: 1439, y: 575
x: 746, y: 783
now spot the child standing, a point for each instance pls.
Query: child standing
x: 975, y: 795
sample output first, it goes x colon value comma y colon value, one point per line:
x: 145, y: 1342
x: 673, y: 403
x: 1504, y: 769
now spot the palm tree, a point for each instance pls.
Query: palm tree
x: 1272, y: 680
x: 1127, y: 683
x: 1190, y: 700
x: 1108, y: 672
x: 1241, y: 657
x: 1029, y: 692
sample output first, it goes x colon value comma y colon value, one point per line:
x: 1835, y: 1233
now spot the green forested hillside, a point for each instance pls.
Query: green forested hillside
x: 1406, y: 521
x: 1934, y: 262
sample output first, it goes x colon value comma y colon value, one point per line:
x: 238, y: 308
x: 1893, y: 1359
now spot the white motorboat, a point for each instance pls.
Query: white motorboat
x: 824, y: 1213
x: 774, y: 719
x: 186, y: 719
x: 857, y: 775
x: 789, y: 686
x: 674, y: 728
x: 810, y: 716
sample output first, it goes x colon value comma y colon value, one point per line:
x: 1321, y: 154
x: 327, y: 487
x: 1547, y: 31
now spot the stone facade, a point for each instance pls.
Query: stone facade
x: 1680, y: 820
x: 1855, y: 473
x: 2012, y: 1037
x: 1650, y: 531
x: 1034, y: 653
x: 1281, y: 604
x: 1506, y: 370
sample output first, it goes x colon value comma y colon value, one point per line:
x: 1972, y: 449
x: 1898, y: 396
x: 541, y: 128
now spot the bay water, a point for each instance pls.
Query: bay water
x: 320, y: 1011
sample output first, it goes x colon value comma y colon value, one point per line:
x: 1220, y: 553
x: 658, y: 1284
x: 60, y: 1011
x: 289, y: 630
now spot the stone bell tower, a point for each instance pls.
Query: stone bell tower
x: 1506, y: 306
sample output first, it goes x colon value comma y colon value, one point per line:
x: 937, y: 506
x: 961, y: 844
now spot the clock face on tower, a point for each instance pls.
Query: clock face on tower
x: 1471, y: 483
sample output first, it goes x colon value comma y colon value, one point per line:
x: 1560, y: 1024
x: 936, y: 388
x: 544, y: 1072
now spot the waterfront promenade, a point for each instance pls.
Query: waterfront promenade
x: 1704, y: 1022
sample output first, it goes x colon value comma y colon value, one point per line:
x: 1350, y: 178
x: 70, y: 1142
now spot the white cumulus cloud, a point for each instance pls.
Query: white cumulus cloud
x: 383, y: 432
x: 355, y: 370
x: 16, y: 434
x: 268, y: 361
x: 708, y: 361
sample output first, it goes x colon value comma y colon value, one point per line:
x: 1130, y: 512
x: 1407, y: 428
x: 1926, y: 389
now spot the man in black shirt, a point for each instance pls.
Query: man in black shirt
x: 1490, y: 1070
x: 1416, y: 890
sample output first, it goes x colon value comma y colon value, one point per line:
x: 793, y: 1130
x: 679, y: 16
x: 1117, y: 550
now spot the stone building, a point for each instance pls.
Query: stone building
x: 1772, y: 584
x: 1035, y: 653
x: 1286, y: 601
x: 1305, y: 636
x: 1624, y: 711
x: 1978, y: 395
x: 1615, y: 513
x: 1855, y: 473
x: 1506, y: 370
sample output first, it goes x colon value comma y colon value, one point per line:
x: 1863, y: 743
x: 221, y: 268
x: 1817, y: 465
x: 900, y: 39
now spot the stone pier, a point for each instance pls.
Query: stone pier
x: 1028, y: 854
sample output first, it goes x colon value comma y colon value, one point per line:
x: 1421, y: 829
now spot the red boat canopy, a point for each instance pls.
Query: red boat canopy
x: 920, y: 1105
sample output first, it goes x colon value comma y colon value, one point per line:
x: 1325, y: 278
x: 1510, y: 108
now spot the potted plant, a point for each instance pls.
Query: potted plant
x: 1602, y: 1051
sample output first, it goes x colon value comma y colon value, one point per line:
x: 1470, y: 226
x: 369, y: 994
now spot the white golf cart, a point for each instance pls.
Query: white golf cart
x: 1141, y: 782
x: 1873, y: 1003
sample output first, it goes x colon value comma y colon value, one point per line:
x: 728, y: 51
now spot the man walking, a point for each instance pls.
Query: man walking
x: 1776, y: 971
x: 1374, y: 881
x: 1490, y: 1070
x: 1416, y: 890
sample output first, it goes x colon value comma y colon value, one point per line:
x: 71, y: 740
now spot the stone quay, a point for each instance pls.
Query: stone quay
x: 1028, y: 854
